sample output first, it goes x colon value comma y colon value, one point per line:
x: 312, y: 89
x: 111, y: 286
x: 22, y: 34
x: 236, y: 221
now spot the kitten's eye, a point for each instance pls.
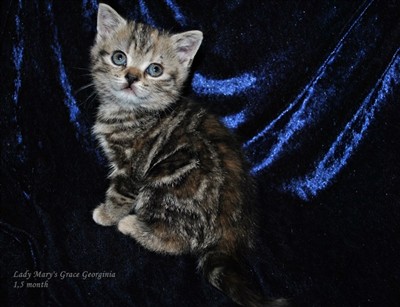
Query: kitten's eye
x: 118, y: 58
x: 155, y: 70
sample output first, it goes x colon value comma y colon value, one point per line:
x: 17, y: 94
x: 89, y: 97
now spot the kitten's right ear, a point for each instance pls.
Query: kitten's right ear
x: 186, y: 45
x: 108, y: 20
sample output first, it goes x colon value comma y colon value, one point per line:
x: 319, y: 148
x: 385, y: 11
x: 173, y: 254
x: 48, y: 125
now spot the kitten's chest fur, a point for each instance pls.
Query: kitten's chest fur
x: 135, y: 143
x: 123, y: 137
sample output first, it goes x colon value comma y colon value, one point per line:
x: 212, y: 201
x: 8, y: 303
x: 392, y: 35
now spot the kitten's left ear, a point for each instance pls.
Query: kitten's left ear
x: 186, y: 45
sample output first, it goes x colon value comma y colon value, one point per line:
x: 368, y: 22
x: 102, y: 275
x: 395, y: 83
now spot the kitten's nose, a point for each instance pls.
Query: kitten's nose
x: 131, y: 78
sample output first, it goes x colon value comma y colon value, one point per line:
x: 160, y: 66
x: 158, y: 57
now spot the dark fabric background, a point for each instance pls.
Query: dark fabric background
x: 311, y: 88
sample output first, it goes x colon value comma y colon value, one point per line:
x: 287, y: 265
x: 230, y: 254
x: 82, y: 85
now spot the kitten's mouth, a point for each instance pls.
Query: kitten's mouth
x: 133, y: 91
x: 130, y: 90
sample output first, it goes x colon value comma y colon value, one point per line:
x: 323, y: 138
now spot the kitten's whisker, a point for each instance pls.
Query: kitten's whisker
x: 83, y: 88
x: 86, y: 75
x: 120, y: 81
x: 89, y: 99
x: 82, y: 68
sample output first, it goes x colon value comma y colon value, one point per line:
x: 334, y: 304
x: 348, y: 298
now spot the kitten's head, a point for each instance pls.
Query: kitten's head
x: 136, y: 66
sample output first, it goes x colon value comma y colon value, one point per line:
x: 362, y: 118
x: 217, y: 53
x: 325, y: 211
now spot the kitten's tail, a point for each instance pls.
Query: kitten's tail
x: 225, y: 273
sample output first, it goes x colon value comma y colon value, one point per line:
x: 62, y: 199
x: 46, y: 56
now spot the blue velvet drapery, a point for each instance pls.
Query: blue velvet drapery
x: 311, y: 88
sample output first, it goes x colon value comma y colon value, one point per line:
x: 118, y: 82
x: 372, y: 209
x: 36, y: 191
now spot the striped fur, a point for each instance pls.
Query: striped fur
x: 178, y: 181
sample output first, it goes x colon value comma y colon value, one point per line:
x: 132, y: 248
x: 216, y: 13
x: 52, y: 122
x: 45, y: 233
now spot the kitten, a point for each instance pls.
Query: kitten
x: 178, y: 182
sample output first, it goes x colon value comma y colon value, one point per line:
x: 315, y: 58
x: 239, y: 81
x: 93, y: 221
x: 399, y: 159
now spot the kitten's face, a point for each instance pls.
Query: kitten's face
x: 135, y: 66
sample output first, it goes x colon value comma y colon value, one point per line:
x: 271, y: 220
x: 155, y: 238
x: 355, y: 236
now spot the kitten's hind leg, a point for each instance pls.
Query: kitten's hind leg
x: 156, y: 237
x: 113, y: 209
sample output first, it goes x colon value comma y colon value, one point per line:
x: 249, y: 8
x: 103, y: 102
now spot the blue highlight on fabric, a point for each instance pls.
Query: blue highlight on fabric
x: 348, y: 140
x: 144, y: 11
x: 313, y: 98
x: 234, y: 121
x: 89, y: 8
x: 179, y: 17
x: 226, y: 87
x: 19, y: 137
x: 69, y: 100
x: 18, y: 55
x: 26, y: 195
x: 299, y: 120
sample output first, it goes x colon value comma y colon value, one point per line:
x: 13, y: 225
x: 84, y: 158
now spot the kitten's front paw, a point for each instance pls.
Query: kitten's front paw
x: 128, y: 225
x: 101, y: 217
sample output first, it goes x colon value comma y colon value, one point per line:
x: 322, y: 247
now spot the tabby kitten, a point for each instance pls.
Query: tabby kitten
x: 178, y: 180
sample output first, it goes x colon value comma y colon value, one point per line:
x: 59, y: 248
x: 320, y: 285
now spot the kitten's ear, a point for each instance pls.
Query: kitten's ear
x: 186, y: 45
x: 108, y: 20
